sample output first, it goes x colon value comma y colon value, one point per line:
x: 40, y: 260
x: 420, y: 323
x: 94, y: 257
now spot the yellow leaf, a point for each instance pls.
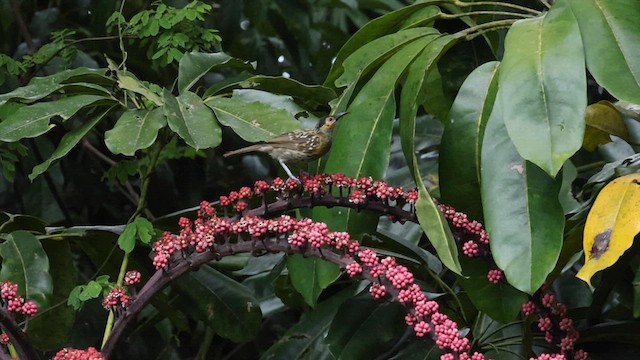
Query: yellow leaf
x: 602, y: 119
x: 612, y: 224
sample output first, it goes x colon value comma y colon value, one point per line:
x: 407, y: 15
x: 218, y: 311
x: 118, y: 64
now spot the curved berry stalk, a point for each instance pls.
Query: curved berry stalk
x: 251, y: 223
x: 13, y: 335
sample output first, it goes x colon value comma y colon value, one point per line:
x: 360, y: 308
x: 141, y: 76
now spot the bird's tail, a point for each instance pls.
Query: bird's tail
x: 243, y: 150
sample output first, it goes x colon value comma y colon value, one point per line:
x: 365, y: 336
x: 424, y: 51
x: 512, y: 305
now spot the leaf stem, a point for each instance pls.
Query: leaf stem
x: 592, y: 166
x: 546, y: 3
x: 446, y: 16
x: 142, y: 203
x: 463, y: 4
x: 448, y: 289
x: 478, y: 30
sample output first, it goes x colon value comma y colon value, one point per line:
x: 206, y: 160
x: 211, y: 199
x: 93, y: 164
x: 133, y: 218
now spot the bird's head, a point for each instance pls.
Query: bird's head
x: 328, y: 122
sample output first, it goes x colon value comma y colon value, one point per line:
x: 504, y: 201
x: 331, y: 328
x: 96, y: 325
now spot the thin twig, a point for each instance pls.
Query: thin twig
x: 546, y: 3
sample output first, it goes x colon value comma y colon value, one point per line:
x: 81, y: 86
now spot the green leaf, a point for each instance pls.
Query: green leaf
x: 361, y: 144
x: 376, y: 29
x: 522, y: 212
x: 501, y: 301
x: 31, y: 121
x: 436, y: 227
x: 129, y: 82
x: 367, y: 58
x: 409, y: 100
x: 25, y: 262
x: 431, y: 220
x: 316, y: 94
x: 542, y: 88
x: 68, y: 142
x: 135, y: 130
x: 225, y: 306
x: 41, y: 87
x: 460, y: 149
x: 364, y: 328
x: 127, y: 240
x: 610, y: 37
x: 191, y: 120
x: 144, y: 229
x: 311, y: 275
x: 284, y: 102
x: 12, y: 222
x: 90, y: 291
x: 195, y: 65
x: 305, y: 336
x: 252, y: 121
x: 63, y: 272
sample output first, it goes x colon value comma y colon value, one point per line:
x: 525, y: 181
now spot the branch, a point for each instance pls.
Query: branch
x: 19, y: 339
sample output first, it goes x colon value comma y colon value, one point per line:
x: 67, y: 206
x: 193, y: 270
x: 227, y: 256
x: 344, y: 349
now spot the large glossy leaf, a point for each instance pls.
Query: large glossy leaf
x: 41, y: 87
x: 361, y: 143
x: 610, y: 35
x: 135, y: 130
x: 25, y: 263
x: 376, y: 29
x: 409, y: 100
x: 521, y: 210
x: 542, y: 91
x: 194, y: 122
x: 364, y: 328
x: 461, y: 145
x: 226, y: 306
x: 432, y: 221
x: 253, y: 120
x: 195, y: 65
x: 310, y: 276
x: 68, y: 142
x: 305, y: 336
x: 612, y: 225
x: 367, y: 58
x: 31, y: 121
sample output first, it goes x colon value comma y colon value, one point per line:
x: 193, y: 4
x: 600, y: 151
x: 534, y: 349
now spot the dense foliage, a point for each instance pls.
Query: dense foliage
x: 479, y: 200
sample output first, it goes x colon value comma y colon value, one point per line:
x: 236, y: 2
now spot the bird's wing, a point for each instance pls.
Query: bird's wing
x: 290, y: 140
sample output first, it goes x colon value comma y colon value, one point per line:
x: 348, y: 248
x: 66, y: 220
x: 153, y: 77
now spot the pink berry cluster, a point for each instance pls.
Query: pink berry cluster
x: 359, y: 190
x: 76, y: 354
x: 205, y: 232
x: 557, y: 327
x: 477, y: 238
x: 132, y: 277
x: 15, y: 303
x: 389, y: 279
x: 117, y: 297
x: 395, y: 280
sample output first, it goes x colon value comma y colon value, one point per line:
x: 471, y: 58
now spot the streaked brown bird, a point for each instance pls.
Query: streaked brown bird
x: 297, y: 146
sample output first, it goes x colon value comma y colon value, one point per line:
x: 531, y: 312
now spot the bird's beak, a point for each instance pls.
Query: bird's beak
x: 339, y: 115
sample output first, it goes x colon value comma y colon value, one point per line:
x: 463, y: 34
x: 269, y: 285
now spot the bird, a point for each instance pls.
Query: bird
x: 297, y: 146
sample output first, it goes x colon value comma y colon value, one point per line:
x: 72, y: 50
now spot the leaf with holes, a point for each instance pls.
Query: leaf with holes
x: 612, y: 225
x: 135, y: 130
